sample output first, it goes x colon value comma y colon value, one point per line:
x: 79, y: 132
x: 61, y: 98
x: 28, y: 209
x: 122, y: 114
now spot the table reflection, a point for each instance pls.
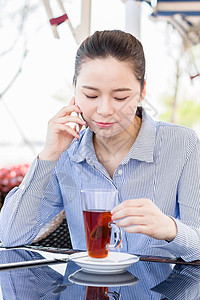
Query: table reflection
x: 91, y: 279
x: 30, y: 283
x: 182, y: 283
x: 142, y: 280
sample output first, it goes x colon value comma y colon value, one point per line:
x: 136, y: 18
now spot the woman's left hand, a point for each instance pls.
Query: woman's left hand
x: 146, y: 217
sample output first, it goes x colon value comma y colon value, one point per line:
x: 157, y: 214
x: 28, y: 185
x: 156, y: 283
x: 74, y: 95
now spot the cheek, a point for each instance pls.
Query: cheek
x: 80, y: 103
x: 86, y: 109
x: 127, y: 112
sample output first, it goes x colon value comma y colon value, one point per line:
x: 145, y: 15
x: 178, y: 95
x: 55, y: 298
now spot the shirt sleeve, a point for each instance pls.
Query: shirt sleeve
x: 31, y: 205
x: 187, y: 242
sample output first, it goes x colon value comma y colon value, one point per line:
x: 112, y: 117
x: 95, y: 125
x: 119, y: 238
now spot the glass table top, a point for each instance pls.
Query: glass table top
x: 63, y: 279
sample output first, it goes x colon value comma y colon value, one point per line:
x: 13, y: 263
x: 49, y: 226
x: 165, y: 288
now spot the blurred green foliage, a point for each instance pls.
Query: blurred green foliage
x: 188, y: 112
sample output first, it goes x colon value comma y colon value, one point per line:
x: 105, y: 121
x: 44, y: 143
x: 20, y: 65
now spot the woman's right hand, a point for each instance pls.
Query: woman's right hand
x: 59, y: 134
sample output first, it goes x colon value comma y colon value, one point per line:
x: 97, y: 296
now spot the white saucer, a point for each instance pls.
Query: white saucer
x: 90, y: 279
x: 115, y: 262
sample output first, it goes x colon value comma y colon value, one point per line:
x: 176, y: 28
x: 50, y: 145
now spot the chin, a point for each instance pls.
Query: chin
x: 106, y: 133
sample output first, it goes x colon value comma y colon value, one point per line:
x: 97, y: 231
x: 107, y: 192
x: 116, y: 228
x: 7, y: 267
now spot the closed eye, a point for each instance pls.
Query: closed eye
x: 90, y: 97
x: 120, y: 99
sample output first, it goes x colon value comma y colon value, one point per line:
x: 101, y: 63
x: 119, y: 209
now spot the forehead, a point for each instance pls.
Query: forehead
x: 105, y: 70
x: 104, y: 62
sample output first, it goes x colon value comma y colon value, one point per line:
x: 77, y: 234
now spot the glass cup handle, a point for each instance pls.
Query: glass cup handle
x: 114, y: 295
x: 118, y: 238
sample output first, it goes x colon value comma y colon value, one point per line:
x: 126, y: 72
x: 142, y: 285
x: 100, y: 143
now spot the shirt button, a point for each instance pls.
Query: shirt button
x: 22, y: 187
x: 120, y: 172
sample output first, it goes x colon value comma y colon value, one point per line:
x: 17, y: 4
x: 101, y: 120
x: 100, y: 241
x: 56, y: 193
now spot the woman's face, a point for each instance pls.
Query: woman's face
x: 108, y: 93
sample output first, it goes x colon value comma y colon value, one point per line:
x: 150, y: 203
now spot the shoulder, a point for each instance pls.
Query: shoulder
x: 178, y: 136
x: 176, y: 131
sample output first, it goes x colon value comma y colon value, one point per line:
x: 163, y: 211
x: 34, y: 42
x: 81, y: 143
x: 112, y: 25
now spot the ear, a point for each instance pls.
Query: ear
x: 143, y: 93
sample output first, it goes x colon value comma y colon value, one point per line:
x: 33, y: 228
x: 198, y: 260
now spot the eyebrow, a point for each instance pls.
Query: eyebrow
x: 115, y: 90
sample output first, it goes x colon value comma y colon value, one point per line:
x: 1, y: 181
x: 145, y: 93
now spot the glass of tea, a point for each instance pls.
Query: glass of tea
x: 100, y: 293
x: 97, y: 205
x: 94, y: 293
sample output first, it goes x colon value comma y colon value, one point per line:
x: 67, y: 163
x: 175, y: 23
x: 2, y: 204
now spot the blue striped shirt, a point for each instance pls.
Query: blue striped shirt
x: 162, y: 165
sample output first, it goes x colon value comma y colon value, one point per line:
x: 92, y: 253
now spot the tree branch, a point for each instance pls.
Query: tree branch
x: 15, y: 76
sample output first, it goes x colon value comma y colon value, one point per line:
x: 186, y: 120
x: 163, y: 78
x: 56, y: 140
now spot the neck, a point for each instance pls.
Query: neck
x: 118, y: 144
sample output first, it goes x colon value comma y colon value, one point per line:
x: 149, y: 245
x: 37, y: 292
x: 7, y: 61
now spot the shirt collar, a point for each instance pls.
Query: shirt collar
x: 84, y: 148
x: 142, y: 149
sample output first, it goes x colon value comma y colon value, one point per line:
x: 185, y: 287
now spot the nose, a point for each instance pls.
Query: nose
x: 105, y: 107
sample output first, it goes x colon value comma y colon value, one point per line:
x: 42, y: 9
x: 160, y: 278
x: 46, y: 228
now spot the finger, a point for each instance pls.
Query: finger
x: 74, y: 128
x: 72, y: 101
x: 136, y: 229
x: 67, y: 110
x: 69, y: 130
x: 67, y: 119
x: 79, y: 127
x: 128, y: 211
x: 131, y: 221
x: 126, y: 203
x: 130, y: 203
x: 118, y: 207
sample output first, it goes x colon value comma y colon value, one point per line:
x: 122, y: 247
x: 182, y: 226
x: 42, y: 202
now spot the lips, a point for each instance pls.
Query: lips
x: 104, y: 124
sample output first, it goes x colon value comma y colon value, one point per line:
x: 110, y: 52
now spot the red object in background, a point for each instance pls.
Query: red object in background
x: 59, y: 20
x: 11, y: 177
x: 192, y: 77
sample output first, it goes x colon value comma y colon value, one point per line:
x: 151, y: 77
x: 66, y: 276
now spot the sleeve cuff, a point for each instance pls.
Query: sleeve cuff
x: 185, y: 244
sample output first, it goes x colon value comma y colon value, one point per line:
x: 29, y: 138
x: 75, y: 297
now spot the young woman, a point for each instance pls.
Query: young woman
x: 155, y: 166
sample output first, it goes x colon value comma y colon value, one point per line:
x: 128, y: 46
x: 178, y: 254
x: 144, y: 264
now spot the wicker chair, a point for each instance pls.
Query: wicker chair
x: 54, y: 234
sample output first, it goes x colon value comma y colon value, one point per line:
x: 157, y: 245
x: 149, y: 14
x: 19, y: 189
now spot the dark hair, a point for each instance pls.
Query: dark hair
x: 114, y: 43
